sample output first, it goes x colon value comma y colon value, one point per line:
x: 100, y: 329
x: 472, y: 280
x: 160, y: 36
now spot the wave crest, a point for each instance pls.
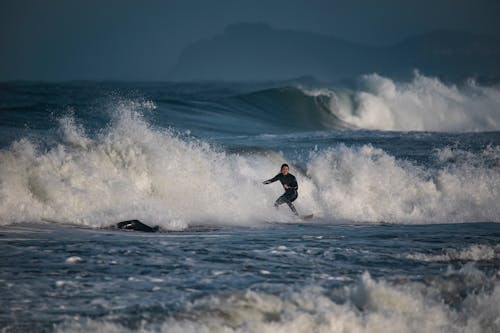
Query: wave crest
x: 424, y: 104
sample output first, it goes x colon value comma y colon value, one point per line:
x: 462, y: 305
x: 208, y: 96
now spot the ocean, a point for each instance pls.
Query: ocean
x: 403, y: 179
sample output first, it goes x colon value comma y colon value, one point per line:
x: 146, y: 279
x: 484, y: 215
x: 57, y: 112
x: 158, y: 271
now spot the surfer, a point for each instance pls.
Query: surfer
x: 290, y: 185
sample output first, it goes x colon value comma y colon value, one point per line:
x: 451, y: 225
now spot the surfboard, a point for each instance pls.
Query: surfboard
x: 306, y: 217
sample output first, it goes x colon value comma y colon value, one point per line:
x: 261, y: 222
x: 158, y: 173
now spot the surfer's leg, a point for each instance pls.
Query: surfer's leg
x: 292, y: 207
x: 289, y: 201
x: 285, y: 198
x: 281, y: 200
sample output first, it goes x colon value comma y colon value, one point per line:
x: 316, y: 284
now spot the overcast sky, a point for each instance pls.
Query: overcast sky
x: 141, y: 40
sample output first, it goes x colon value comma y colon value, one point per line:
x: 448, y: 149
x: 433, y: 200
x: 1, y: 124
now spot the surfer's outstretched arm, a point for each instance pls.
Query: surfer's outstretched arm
x: 272, y: 180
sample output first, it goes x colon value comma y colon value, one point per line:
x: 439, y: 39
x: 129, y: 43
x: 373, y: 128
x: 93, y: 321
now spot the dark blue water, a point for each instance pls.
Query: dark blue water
x: 72, y: 279
x: 403, y: 179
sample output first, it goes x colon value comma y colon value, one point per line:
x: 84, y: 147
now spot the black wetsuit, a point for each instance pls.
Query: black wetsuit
x: 290, y: 193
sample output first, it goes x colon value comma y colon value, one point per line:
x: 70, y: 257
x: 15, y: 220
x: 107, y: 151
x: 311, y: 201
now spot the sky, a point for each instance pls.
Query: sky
x: 57, y: 40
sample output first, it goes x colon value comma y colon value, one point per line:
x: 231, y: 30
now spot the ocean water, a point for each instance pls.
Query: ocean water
x: 403, y: 179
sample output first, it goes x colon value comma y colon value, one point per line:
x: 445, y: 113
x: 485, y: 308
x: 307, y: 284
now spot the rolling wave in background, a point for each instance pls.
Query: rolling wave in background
x: 380, y: 103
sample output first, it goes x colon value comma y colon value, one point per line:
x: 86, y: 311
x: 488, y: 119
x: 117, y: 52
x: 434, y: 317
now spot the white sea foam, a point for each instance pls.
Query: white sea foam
x: 132, y: 170
x: 424, y: 104
x: 477, y: 252
x: 367, y: 184
x: 74, y: 260
x: 368, y: 306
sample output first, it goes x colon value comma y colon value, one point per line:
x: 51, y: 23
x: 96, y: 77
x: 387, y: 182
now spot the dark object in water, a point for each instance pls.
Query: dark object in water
x: 136, y: 225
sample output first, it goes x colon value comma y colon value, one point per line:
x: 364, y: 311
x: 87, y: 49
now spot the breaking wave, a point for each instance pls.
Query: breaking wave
x: 425, y: 104
x: 130, y: 170
x: 380, y: 103
x: 133, y: 170
x: 366, y: 183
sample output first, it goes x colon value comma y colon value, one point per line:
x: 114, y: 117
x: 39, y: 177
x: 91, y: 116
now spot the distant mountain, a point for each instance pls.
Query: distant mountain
x: 253, y: 51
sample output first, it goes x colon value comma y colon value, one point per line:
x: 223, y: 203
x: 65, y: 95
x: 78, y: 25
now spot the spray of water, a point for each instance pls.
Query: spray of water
x: 132, y: 170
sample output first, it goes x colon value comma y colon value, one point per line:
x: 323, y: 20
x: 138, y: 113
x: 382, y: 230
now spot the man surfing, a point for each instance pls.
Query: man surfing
x: 290, y: 185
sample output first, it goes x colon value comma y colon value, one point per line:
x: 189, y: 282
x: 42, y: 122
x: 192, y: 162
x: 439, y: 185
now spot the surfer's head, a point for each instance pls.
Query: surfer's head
x: 284, y: 169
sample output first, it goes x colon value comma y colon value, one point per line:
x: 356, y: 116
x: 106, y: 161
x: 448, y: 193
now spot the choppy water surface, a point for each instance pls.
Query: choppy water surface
x: 275, y: 277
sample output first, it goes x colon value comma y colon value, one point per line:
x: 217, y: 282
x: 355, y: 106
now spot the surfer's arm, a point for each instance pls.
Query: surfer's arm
x: 272, y: 180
